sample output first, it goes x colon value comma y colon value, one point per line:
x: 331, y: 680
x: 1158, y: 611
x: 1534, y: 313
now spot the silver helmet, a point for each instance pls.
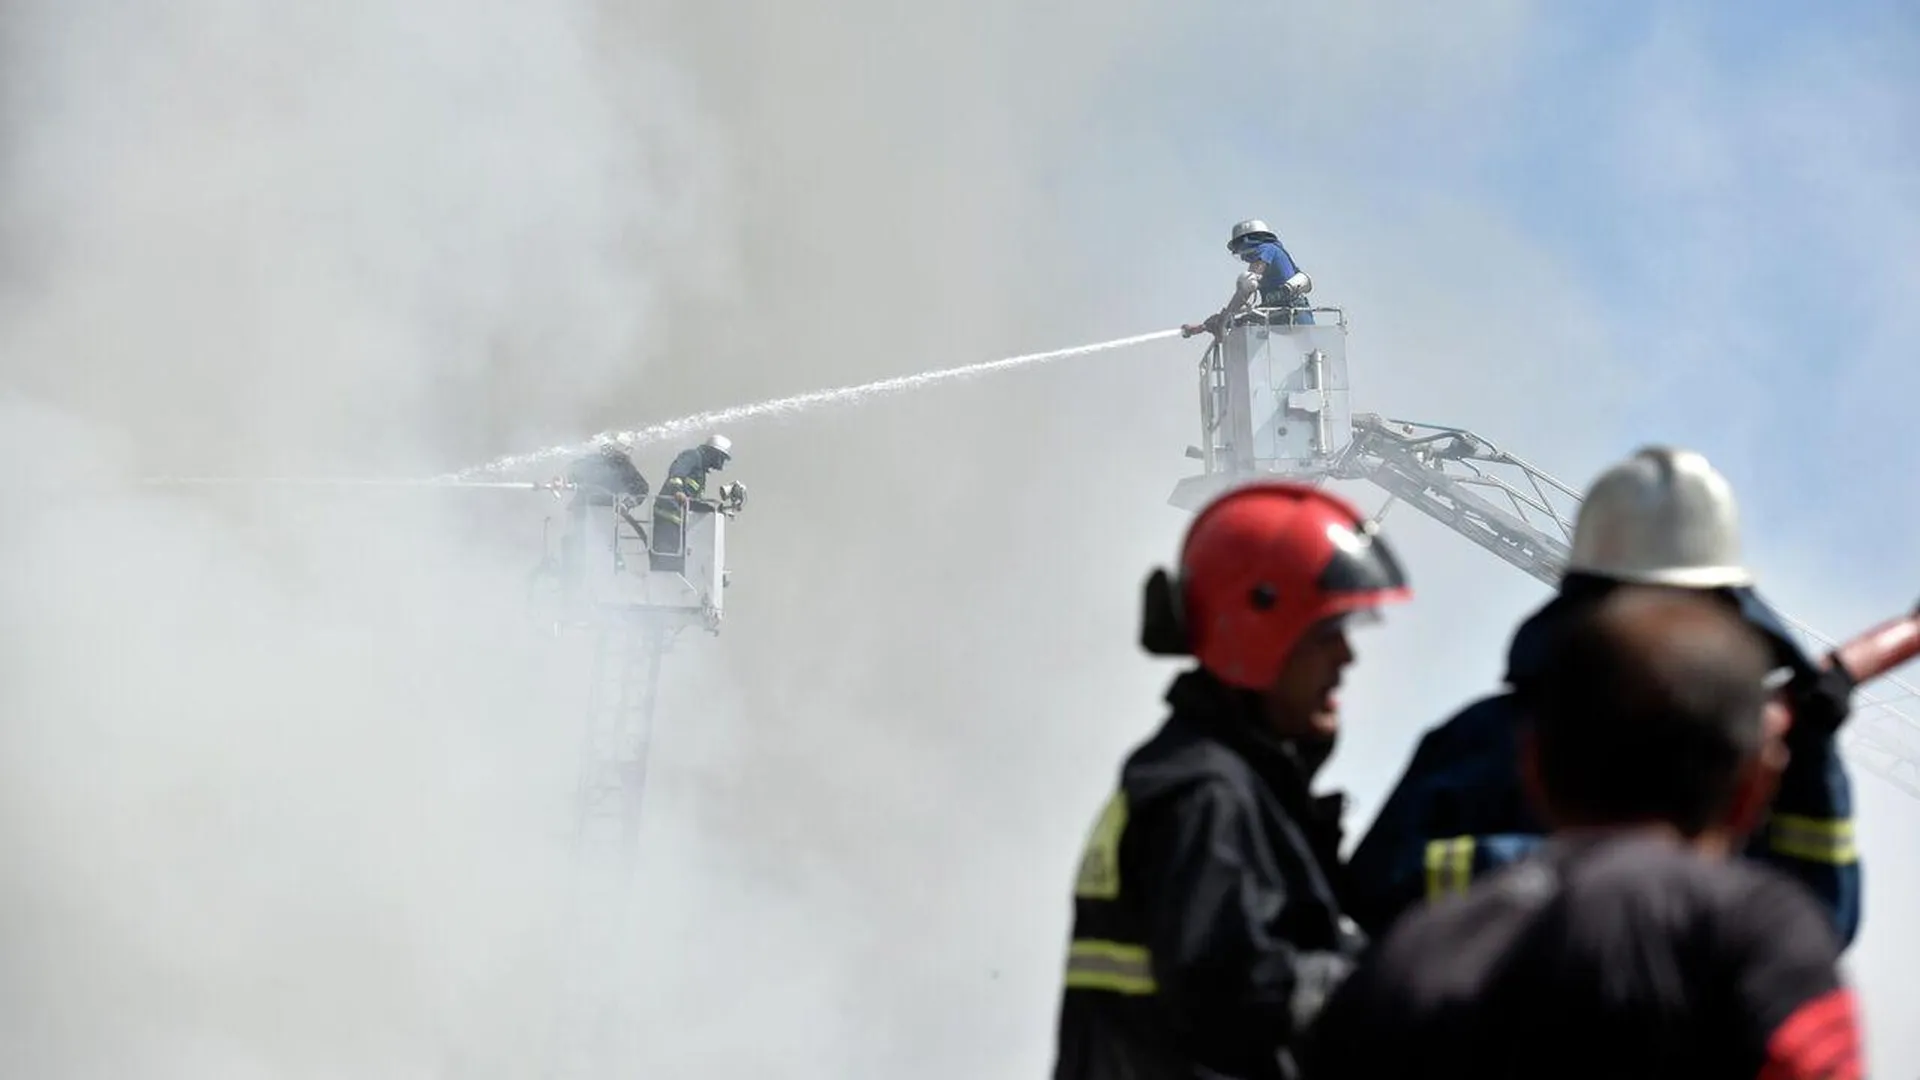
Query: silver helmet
x: 1251, y: 231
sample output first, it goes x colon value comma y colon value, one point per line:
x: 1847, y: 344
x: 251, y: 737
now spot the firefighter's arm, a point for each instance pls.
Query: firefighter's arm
x: 1216, y: 324
x: 1450, y: 864
x: 675, y: 490
x: 1212, y: 892
x: 1809, y: 830
x: 1446, y: 822
x: 1276, y: 256
x: 1409, y: 867
x: 1382, y: 877
x: 1803, y: 1022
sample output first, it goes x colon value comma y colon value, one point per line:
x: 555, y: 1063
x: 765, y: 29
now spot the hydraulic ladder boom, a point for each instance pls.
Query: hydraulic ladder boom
x: 588, y: 1036
x: 1273, y: 404
x: 1492, y: 498
x: 633, y: 595
x: 1454, y: 477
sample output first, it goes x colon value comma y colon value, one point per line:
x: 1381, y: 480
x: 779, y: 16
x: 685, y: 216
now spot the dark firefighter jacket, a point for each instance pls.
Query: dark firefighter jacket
x: 1459, y: 812
x: 1205, y: 925
x: 686, y: 476
x: 604, y: 475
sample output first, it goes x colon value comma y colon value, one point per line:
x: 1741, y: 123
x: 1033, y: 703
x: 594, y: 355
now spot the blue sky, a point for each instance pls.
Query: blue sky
x: 1576, y: 229
x: 1795, y: 107
x: 1738, y: 187
x: 1725, y: 195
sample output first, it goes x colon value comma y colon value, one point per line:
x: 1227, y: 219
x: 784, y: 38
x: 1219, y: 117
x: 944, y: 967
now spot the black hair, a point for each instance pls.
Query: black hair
x: 1647, y: 707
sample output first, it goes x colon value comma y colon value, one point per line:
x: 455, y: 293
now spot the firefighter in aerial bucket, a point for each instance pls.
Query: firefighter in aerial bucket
x: 1206, y: 923
x: 606, y: 477
x: 1274, y: 288
x: 684, y: 492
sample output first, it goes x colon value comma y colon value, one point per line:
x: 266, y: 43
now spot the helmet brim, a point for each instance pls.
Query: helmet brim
x: 1683, y: 577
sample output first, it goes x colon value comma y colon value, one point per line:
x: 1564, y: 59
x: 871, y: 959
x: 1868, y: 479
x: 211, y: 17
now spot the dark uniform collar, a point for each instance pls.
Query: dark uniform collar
x: 1527, y: 651
x: 1233, y: 716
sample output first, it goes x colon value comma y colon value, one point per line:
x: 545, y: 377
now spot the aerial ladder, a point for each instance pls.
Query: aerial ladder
x: 1275, y: 402
x: 631, y: 595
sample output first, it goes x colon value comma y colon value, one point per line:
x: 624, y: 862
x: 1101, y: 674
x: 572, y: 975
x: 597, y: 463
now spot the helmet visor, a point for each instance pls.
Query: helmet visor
x: 1361, y: 564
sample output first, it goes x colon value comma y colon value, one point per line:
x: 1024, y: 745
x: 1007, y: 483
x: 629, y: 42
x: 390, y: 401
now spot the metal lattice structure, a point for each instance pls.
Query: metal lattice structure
x: 632, y: 600
x: 1273, y: 403
x: 587, y: 1037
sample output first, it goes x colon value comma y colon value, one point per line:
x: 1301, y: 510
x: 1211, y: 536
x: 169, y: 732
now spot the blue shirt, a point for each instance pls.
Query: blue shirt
x: 1275, y: 266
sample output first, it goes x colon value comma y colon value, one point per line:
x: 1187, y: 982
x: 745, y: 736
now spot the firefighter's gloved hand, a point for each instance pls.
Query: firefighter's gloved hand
x: 1823, y: 703
x: 1213, y: 324
x: 1317, y: 976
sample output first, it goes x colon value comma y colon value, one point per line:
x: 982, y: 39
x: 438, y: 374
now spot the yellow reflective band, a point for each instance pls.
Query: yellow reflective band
x: 1449, y: 865
x: 1111, y: 966
x: 1100, y: 862
x: 1819, y: 840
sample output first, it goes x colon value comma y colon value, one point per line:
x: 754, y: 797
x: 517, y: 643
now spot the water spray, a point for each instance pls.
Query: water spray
x: 349, y: 481
x: 797, y: 403
x: 672, y: 429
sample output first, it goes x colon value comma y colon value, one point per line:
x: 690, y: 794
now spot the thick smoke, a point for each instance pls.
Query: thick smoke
x: 285, y: 773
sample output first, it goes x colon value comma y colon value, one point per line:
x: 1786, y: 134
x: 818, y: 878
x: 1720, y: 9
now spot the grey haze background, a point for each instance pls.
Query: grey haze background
x: 283, y: 776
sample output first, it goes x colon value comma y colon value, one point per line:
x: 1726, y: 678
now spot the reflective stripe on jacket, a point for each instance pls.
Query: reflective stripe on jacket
x: 1205, y: 925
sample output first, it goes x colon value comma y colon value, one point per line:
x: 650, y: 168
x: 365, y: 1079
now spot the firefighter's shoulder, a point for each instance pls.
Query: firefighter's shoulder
x: 1172, y: 779
x: 1662, y: 887
x: 1587, y: 956
x: 1181, y: 771
x: 1484, y: 724
x: 1606, y: 901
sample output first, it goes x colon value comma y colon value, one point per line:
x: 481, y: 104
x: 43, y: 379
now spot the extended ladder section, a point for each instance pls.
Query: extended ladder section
x: 634, y: 596
x: 1492, y: 498
x: 588, y: 1036
x: 1274, y: 404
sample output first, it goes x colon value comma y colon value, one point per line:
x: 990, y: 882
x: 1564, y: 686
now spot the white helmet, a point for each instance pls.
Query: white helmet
x: 1664, y: 516
x: 720, y: 444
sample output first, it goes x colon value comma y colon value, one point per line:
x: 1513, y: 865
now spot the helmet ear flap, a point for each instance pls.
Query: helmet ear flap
x: 1163, y: 625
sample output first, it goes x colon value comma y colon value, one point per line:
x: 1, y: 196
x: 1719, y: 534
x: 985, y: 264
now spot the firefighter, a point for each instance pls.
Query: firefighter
x: 606, y: 477
x: 1273, y: 283
x: 1663, y: 516
x: 1630, y: 943
x: 684, y: 490
x: 1205, y: 925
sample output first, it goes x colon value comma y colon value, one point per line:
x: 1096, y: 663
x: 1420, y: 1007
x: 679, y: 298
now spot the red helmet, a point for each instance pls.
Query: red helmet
x: 1262, y: 564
